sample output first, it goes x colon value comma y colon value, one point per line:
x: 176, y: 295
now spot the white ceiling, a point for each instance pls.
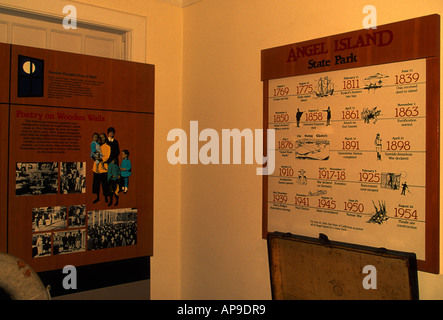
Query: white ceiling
x: 180, y: 3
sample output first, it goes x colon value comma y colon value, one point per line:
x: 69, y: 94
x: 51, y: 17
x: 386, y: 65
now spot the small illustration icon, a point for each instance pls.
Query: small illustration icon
x: 30, y: 77
x: 328, y: 116
x: 317, y: 193
x: 378, y: 146
x: 374, y: 82
x: 404, y: 188
x: 324, y: 87
x: 380, y: 214
x: 391, y: 180
x: 301, y: 178
x: 312, y: 149
x: 298, y: 116
x: 369, y: 115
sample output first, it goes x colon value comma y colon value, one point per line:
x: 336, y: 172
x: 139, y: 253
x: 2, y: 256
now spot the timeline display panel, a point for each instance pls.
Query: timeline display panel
x: 350, y: 154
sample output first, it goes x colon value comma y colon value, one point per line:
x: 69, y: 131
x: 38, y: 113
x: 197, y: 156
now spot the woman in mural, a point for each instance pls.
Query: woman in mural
x: 100, y: 170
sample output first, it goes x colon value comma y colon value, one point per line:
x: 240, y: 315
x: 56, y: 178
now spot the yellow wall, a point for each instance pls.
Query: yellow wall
x: 207, y: 224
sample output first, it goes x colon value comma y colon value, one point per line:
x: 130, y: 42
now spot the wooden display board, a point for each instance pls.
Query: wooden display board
x: 52, y: 166
x: 357, y: 145
x: 303, y: 268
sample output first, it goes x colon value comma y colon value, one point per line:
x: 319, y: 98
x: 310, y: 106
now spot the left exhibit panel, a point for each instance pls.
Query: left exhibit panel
x: 77, y: 158
x: 4, y: 115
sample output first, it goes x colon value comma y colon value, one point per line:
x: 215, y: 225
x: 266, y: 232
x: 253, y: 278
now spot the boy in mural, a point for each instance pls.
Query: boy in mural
x: 113, y: 181
x: 125, y: 170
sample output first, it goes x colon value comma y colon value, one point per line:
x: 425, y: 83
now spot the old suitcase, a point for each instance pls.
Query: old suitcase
x: 303, y: 268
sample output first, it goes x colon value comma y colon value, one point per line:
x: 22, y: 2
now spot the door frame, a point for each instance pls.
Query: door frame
x: 133, y: 26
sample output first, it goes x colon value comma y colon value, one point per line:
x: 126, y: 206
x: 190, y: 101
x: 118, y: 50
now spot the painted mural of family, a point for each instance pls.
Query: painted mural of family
x: 108, y: 174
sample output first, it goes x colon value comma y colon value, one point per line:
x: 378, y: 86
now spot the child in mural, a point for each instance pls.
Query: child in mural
x: 125, y: 169
x: 96, y: 152
x: 113, y: 181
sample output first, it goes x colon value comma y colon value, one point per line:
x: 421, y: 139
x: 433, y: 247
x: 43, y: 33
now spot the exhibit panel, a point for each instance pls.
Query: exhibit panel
x: 4, y: 100
x: 57, y: 183
x: 357, y: 139
x: 79, y: 159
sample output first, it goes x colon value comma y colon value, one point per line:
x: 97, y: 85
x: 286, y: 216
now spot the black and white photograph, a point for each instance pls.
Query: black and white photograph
x: 48, y: 218
x: 72, y: 177
x: 36, y: 178
x: 112, y: 228
x: 69, y: 241
x: 77, y: 216
x: 41, y: 245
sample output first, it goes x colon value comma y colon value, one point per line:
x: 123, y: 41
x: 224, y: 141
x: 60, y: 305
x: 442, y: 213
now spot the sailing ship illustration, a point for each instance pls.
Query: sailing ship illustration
x: 324, y: 88
x: 374, y: 82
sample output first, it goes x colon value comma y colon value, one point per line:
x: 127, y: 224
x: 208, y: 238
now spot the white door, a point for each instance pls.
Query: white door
x: 35, y: 30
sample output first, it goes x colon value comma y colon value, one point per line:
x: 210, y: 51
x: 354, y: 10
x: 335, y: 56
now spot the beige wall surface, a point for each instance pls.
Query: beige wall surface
x: 207, y: 219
